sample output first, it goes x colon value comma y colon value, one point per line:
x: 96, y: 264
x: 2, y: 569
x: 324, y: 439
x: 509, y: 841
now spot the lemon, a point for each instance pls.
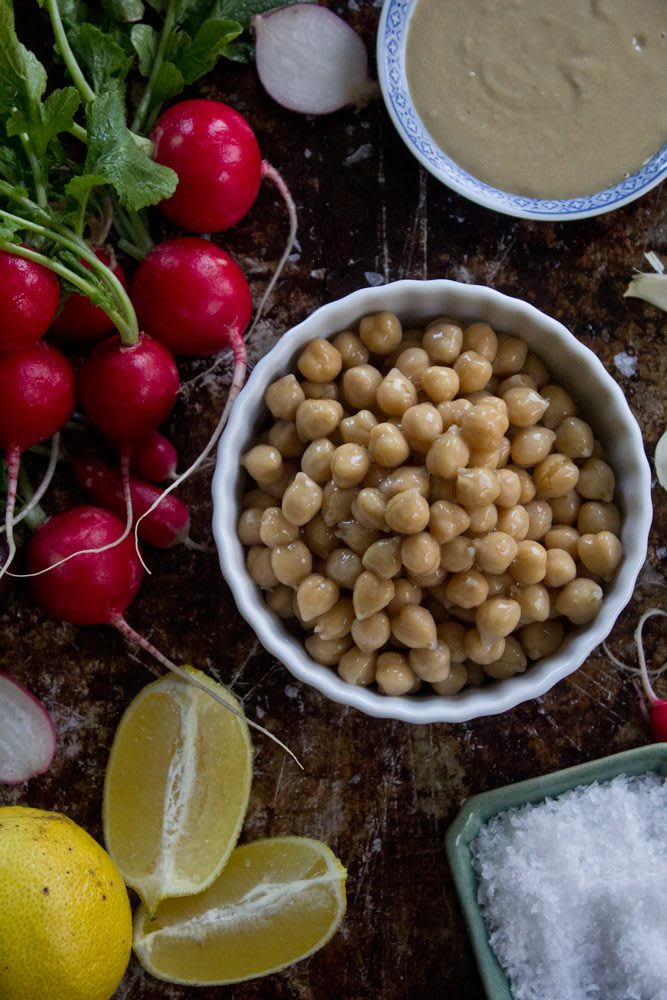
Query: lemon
x: 65, y: 919
x: 176, y: 788
x: 276, y: 902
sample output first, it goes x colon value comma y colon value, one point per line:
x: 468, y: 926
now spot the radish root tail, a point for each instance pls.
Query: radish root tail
x: 651, y: 696
x: 54, y: 456
x: 13, y: 458
x: 129, y: 633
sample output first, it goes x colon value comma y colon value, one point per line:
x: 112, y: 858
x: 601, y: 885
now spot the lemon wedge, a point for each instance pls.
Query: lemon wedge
x: 276, y: 902
x: 176, y: 788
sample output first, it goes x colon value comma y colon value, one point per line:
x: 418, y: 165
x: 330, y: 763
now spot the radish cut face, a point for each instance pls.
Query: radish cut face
x: 27, y: 734
x: 309, y: 60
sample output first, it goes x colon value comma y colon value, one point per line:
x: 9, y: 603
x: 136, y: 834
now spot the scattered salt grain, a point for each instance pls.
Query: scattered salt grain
x: 574, y: 892
x: 626, y: 363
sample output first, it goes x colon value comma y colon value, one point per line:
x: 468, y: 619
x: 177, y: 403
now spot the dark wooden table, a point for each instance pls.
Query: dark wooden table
x: 381, y: 794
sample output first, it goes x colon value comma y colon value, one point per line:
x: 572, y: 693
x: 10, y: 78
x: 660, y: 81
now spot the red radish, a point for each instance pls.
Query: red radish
x: 79, y: 321
x: 97, y: 584
x: 192, y: 297
x: 657, y: 707
x: 128, y: 391
x: 37, y: 394
x: 216, y: 156
x: 154, y: 458
x: 27, y: 734
x: 29, y: 297
x: 167, y: 525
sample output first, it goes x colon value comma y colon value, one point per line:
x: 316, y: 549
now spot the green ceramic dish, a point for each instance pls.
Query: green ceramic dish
x: 480, y: 808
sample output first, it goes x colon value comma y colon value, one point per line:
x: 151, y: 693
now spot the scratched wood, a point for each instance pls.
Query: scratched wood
x: 380, y: 793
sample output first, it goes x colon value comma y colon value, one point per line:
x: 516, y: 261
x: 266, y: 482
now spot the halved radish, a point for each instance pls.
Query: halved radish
x: 27, y: 734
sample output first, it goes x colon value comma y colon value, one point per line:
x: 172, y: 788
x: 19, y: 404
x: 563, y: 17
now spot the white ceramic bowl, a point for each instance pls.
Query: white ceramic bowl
x: 391, y: 40
x: 599, y: 399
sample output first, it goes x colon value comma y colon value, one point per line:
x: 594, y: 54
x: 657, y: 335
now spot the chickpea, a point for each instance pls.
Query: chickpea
x: 357, y: 667
x: 482, y: 650
x: 528, y: 490
x: 327, y: 651
x: 337, y: 503
x: 413, y: 362
x: 284, y: 398
x: 420, y: 554
x: 561, y: 405
x: 284, y: 437
x: 457, y: 679
x: 564, y: 509
x: 530, y: 562
x: 421, y: 425
x: 249, y: 525
x: 539, y: 519
x: 512, y: 662
x: 371, y: 594
x: 536, y: 369
x: 495, y: 553
x: 360, y: 385
x: 518, y: 381
x: 555, y: 475
x: 509, y: 486
x: 579, y: 600
x: 476, y: 487
x: 511, y: 355
x: 407, y: 513
x: 394, y: 675
x: 368, y: 509
x: 319, y: 537
x: 259, y: 563
x: 534, y: 601
x: 448, y: 454
x: 344, y: 567
x: 371, y: 633
x: 381, y: 333
x: 316, y: 460
x: 467, y: 589
x: 279, y: 599
x: 264, y: 463
x: 395, y: 394
x: 405, y: 592
x: 491, y: 458
x: 443, y: 340
x: 600, y: 553
x: 349, y: 465
x: 574, y: 438
x: 480, y: 337
x: 447, y: 520
x: 277, y: 489
x: 319, y: 361
x: 355, y: 536
x: 531, y: 445
x: 430, y: 664
x: 275, y: 529
x: 596, y: 515
x: 514, y: 521
x: 291, y: 563
x: 414, y: 627
x: 563, y: 536
x: 375, y: 477
x: 320, y: 390
x: 387, y: 446
x: 430, y: 580
x: 408, y: 477
x: 484, y: 425
x: 542, y: 638
x: 525, y: 406
x: 316, y: 595
x: 440, y: 383
x: 458, y: 555
x: 473, y: 371
x: 357, y: 428
x: 561, y: 568
x: 499, y: 584
x: 497, y: 617
x: 384, y: 557
x: 302, y: 500
x: 318, y: 418
x: 482, y: 519
x: 452, y: 634
x: 257, y: 498
x: 452, y: 411
x: 596, y: 480
x: 349, y: 346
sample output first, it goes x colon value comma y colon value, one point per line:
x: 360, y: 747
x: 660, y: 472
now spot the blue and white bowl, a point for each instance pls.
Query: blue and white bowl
x: 391, y: 45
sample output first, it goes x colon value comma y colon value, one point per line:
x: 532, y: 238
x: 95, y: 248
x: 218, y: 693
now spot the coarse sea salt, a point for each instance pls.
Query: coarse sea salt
x: 574, y: 892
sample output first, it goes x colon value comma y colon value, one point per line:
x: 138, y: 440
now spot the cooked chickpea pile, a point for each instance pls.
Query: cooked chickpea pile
x: 428, y: 506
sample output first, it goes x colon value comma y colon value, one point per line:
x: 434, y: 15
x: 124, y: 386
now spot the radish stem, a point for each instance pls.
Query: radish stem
x: 62, y: 44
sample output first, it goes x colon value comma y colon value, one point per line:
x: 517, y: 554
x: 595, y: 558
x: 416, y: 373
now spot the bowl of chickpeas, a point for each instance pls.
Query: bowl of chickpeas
x: 431, y: 501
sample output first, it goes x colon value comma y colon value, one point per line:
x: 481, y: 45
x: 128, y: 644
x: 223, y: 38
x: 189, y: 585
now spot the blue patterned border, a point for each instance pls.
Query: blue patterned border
x: 391, y: 66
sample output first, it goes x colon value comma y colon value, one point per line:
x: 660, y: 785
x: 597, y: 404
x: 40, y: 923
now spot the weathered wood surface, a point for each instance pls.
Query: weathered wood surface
x: 380, y: 793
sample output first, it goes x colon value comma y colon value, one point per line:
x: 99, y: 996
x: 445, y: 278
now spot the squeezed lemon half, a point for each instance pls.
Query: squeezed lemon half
x: 176, y: 788
x: 276, y: 902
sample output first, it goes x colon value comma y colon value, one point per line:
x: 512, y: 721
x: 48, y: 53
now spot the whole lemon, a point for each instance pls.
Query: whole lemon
x: 65, y: 919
